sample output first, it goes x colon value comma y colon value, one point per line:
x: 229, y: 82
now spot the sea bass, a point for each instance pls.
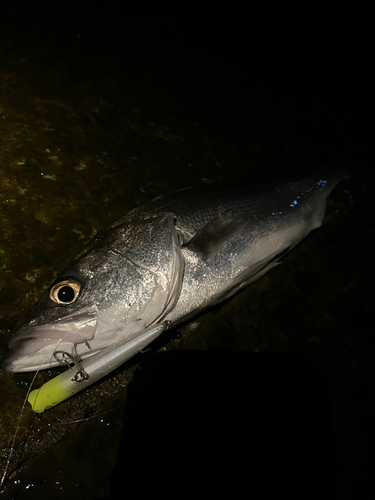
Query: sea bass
x: 163, y: 263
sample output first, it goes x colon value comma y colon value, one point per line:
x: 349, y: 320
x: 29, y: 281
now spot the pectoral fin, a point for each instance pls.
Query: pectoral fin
x: 214, y: 234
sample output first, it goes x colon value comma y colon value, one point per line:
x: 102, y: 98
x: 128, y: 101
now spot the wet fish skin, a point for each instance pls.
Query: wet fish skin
x: 169, y: 259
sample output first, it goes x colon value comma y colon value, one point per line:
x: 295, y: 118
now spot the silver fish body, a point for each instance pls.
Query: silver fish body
x: 166, y: 260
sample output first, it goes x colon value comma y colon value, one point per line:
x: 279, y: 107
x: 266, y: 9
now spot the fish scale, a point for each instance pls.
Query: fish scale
x: 166, y: 261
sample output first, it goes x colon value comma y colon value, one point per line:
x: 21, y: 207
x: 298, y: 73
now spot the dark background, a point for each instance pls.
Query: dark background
x: 275, y: 392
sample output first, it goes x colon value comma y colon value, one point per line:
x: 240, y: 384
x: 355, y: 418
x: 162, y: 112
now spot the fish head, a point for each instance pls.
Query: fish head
x: 127, y: 279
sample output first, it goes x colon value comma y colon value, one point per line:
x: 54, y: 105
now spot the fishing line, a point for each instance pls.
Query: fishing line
x: 12, y: 450
x: 17, y: 428
x: 19, y: 418
x: 89, y: 418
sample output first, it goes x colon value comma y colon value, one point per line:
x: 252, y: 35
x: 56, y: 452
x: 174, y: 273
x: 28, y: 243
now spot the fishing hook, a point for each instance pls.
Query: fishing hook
x: 72, y: 358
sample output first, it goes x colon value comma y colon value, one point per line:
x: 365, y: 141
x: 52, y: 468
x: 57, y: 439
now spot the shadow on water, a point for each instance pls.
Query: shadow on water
x: 222, y: 423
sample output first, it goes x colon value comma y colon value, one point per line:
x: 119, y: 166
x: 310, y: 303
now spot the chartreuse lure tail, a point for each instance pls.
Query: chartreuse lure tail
x: 91, y: 369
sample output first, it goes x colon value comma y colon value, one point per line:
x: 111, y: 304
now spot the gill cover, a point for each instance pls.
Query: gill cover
x: 128, y: 278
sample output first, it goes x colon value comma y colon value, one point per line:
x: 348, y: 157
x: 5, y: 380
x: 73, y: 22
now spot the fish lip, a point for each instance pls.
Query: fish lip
x: 57, y: 329
x: 28, y: 342
x: 19, y: 360
x: 7, y: 362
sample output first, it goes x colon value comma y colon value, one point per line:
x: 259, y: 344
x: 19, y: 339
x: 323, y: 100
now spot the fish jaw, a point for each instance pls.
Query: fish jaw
x: 33, y: 347
x: 32, y: 355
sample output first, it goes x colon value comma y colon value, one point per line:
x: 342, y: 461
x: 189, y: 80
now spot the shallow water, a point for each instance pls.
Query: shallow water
x: 99, y: 115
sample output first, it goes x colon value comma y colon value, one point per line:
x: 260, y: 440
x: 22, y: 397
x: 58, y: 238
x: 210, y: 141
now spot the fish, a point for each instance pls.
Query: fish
x: 165, y: 262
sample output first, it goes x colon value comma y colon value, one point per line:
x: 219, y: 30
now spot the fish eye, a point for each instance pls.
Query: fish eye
x: 65, y: 292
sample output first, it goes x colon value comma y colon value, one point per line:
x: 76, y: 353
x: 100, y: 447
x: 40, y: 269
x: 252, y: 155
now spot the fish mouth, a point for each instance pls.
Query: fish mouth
x: 33, y: 347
